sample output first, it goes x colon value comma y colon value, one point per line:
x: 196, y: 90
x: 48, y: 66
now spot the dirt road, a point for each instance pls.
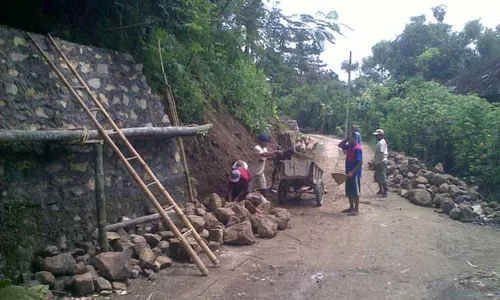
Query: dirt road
x: 392, y: 250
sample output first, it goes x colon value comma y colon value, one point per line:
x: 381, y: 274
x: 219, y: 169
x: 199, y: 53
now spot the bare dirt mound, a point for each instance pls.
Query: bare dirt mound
x: 210, y: 157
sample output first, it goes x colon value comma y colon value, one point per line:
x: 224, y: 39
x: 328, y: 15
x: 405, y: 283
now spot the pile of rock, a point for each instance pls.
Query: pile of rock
x: 144, y: 250
x: 239, y: 222
x: 411, y: 179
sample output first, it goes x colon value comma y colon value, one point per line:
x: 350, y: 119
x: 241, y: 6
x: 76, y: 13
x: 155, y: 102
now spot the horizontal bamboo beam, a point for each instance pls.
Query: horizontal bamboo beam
x: 72, y: 135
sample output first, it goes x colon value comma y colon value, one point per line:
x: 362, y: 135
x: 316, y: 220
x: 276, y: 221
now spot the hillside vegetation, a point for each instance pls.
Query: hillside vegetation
x: 260, y: 63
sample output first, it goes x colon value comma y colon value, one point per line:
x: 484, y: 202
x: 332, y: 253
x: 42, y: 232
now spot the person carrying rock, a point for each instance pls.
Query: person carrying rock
x: 258, y: 163
x: 353, y: 166
x: 239, y: 182
x: 381, y: 155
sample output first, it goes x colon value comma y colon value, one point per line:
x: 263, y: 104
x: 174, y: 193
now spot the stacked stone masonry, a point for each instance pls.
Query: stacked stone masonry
x: 47, y: 191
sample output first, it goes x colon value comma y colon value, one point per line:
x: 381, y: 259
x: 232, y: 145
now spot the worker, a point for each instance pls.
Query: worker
x: 258, y: 163
x: 353, y: 166
x: 358, y: 135
x: 381, y: 156
x: 239, y: 182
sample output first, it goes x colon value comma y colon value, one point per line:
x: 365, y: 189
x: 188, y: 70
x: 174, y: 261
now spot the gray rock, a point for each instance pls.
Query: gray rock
x: 95, y: 83
x: 63, y: 283
x: 439, y: 198
x: 414, y: 168
x: 438, y: 180
x: 11, y: 88
x: 283, y: 217
x: 83, y: 284
x: 113, y: 265
x: 455, y: 191
x: 462, y: 198
x: 45, y: 278
x: 467, y: 213
x: 444, y: 188
x: 164, y: 246
x: 455, y: 213
x: 420, y: 197
x: 439, y: 168
x: 421, y: 187
x: 152, y: 239
x: 241, y: 212
x: 136, y: 239
x: 102, y: 69
x: 216, y: 235
x: 50, y: 251
x: 447, y: 205
x: 101, y: 284
x: 59, y: 265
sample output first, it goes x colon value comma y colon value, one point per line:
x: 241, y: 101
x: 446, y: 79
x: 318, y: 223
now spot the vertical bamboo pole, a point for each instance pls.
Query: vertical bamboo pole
x: 100, y: 197
x: 175, y: 119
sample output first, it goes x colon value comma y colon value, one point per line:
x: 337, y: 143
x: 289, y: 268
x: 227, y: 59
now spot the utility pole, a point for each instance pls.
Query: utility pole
x: 348, y: 94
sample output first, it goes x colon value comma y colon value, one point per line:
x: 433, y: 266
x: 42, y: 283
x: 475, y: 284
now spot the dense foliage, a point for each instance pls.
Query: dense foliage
x: 258, y: 63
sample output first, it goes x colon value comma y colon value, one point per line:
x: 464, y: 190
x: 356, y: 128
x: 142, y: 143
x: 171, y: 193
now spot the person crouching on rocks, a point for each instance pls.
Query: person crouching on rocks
x: 239, y: 182
x: 353, y: 166
x: 258, y: 164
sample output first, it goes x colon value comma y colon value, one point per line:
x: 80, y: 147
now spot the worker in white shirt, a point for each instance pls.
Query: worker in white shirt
x: 258, y: 163
x: 381, y: 156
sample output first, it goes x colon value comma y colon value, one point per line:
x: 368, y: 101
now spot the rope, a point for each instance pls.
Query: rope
x: 85, y: 136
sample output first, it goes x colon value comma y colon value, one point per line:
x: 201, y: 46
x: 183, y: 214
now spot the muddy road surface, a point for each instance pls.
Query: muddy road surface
x: 391, y: 250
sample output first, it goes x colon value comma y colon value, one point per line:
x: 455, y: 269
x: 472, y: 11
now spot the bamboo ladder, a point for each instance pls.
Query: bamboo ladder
x: 135, y: 156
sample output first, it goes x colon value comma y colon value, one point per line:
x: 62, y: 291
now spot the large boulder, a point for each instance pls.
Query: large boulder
x: 147, y: 259
x: 466, y: 213
x: 197, y: 222
x: 211, y: 221
x: 224, y: 214
x: 136, y: 239
x: 241, y: 212
x: 113, y: 265
x: 60, y: 265
x: 256, y: 198
x: 438, y: 179
x: 250, y: 207
x: 45, y: 278
x: 283, y: 217
x: 264, y: 208
x: 164, y: 261
x: 101, y: 284
x: 216, y: 235
x: 439, y: 198
x: 414, y: 168
x: 444, y: 188
x: 83, y: 284
x: 455, y: 213
x: 447, y: 205
x: 239, y: 234
x: 214, y: 202
x: 152, y: 239
x: 455, y: 191
x: 266, y: 227
x: 419, y: 180
x: 420, y: 197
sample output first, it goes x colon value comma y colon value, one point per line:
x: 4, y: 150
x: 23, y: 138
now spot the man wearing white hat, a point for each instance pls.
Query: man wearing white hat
x: 238, y: 184
x: 381, y: 155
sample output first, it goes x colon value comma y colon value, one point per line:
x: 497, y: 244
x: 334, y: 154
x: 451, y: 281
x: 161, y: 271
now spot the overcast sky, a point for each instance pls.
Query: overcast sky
x: 373, y: 21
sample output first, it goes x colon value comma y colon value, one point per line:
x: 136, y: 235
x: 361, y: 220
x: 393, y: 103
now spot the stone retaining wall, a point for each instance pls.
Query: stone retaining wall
x: 47, y: 190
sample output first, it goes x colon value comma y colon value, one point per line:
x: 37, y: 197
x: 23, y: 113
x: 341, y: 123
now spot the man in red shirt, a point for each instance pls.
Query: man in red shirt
x: 238, y: 184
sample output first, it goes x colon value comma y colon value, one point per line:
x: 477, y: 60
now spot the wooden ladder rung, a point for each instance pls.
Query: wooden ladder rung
x: 95, y: 109
x: 131, y: 158
x: 151, y: 183
x: 169, y: 207
x: 78, y: 87
x: 188, y: 232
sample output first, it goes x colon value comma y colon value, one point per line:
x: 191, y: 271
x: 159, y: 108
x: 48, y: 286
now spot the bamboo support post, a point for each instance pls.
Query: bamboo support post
x: 100, y: 197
